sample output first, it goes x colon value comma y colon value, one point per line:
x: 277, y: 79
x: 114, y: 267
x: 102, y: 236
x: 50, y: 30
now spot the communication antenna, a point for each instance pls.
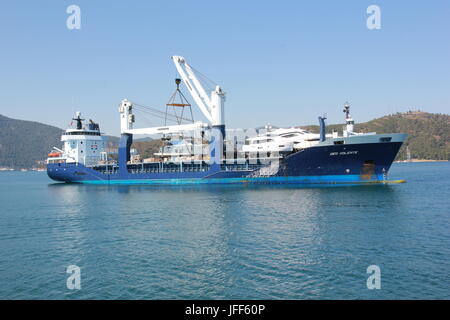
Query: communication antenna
x: 347, y: 110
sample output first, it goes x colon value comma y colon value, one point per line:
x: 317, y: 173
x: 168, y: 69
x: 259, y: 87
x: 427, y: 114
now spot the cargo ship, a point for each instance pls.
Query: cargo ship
x: 213, y: 154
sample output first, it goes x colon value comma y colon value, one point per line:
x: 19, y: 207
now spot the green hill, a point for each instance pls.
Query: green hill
x: 429, y: 133
x: 24, y: 143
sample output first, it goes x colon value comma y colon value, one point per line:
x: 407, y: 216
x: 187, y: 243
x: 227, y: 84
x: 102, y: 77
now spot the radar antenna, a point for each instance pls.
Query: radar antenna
x: 78, y: 120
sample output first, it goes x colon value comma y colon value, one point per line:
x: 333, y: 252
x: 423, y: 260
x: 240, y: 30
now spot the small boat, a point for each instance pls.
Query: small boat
x: 54, y: 154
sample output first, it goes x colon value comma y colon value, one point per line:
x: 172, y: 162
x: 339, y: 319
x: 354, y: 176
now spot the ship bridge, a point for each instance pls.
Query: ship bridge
x: 83, y: 144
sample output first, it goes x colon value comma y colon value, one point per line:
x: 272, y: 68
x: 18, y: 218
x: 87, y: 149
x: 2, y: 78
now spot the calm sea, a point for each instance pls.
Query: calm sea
x: 230, y: 242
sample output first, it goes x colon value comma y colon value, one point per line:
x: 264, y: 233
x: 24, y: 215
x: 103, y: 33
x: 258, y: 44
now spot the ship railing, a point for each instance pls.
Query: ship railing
x: 163, y: 167
x: 174, y: 167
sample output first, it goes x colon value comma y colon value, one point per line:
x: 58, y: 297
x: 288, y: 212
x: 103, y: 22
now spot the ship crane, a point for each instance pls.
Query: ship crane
x: 127, y: 119
x: 211, y: 106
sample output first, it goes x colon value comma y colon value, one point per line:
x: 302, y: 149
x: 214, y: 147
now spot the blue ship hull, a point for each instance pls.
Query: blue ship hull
x: 328, y: 164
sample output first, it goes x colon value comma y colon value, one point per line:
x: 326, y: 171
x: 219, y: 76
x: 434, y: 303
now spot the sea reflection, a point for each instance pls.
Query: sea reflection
x: 203, y: 234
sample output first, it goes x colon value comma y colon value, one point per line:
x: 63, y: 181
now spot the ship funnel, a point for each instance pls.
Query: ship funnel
x: 322, y: 128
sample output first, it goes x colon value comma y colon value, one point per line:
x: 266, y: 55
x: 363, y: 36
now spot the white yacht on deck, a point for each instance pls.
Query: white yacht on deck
x: 281, y: 140
x: 287, y: 140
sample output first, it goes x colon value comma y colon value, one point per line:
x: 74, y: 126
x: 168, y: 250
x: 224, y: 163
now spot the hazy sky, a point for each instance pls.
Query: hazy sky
x: 283, y: 62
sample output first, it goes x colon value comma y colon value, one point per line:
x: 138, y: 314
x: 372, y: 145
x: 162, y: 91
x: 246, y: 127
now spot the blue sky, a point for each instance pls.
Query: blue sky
x: 283, y: 62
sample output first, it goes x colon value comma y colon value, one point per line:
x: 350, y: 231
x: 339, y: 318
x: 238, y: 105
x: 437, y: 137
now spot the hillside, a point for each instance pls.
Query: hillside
x: 147, y: 147
x: 429, y: 133
x: 23, y: 143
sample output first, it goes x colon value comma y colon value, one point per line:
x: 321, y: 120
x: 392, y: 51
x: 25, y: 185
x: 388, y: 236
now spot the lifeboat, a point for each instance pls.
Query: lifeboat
x: 54, y: 154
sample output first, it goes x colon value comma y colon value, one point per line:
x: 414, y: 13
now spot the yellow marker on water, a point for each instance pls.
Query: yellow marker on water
x: 394, y: 181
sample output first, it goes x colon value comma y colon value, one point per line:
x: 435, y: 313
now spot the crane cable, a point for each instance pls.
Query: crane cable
x: 206, y: 79
x: 158, y: 113
x: 164, y: 115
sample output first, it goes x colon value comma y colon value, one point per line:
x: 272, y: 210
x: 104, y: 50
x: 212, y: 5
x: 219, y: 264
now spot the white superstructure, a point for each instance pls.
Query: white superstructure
x: 82, y: 144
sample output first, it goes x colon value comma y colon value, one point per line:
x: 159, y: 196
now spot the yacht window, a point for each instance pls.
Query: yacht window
x: 290, y: 135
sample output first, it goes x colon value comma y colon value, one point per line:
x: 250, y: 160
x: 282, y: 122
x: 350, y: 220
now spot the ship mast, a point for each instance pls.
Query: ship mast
x: 348, y: 121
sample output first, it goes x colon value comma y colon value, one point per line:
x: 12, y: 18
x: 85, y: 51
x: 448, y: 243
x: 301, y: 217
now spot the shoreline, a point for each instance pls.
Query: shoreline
x: 419, y: 160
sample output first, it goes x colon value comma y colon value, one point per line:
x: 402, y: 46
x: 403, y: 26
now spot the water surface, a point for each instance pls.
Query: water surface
x: 226, y: 242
